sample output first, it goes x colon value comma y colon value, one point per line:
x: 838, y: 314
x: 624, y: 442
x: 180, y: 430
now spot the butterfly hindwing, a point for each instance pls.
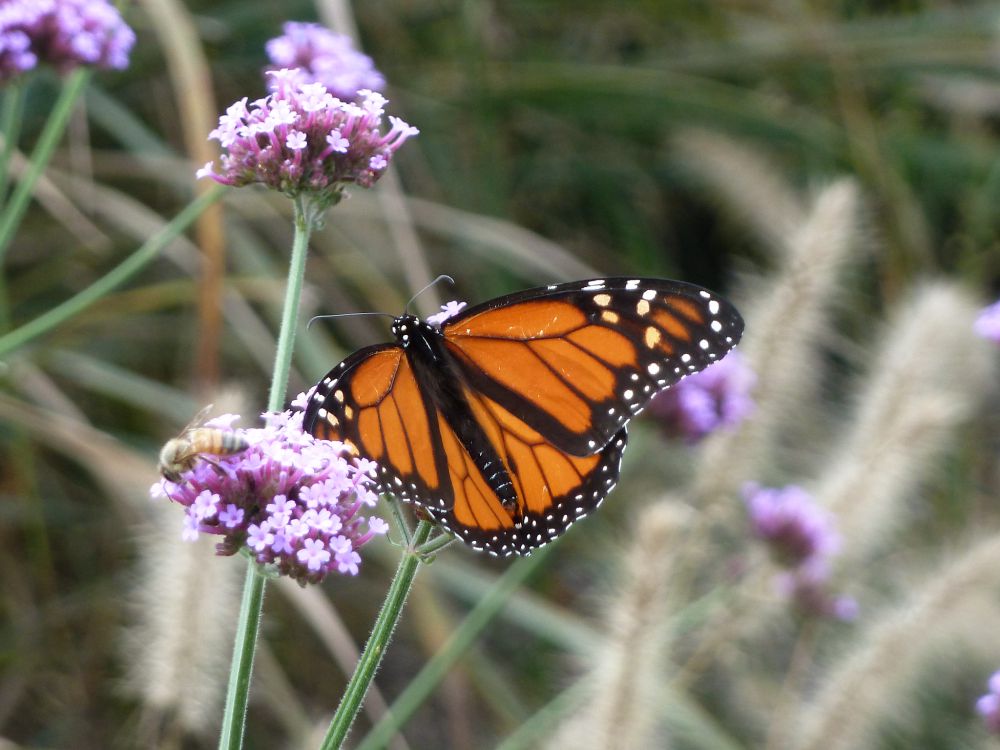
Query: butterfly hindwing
x: 577, y: 361
x: 553, y: 489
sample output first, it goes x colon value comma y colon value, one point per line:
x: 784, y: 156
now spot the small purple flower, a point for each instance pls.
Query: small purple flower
x: 808, y: 588
x: 314, y: 554
x: 987, y: 324
x: 448, y: 310
x: 988, y: 706
x: 205, y: 505
x: 322, y: 56
x: 63, y: 33
x: 190, y: 532
x: 259, y: 536
x: 295, y: 502
x: 232, y: 516
x: 718, y: 397
x: 795, y: 528
x: 302, y: 140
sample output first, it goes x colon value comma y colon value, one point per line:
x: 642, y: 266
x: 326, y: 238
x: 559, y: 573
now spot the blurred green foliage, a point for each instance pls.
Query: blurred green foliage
x: 557, y: 117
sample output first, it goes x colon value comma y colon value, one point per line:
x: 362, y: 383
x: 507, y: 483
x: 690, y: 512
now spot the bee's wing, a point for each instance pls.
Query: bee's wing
x: 198, y: 420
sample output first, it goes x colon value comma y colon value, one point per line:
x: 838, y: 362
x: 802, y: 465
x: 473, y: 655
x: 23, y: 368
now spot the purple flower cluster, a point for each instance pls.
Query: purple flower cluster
x: 987, y: 323
x: 802, y: 538
x: 322, y: 56
x: 292, y: 500
x: 717, y: 397
x: 300, y: 139
x: 988, y: 706
x: 796, y: 530
x: 62, y: 33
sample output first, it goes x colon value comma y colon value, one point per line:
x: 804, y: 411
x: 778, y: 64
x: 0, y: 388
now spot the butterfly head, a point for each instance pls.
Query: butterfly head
x: 409, y: 330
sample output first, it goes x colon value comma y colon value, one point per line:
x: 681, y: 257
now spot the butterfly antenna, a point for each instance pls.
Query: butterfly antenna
x: 343, y: 315
x: 442, y: 277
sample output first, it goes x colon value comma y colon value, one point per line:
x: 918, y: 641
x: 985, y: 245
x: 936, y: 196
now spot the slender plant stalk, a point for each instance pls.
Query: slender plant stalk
x: 305, y: 221
x: 10, y: 127
x: 55, y: 126
x: 370, y: 659
x: 234, y: 718
x: 436, y: 544
x: 461, y: 640
x: 111, y: 280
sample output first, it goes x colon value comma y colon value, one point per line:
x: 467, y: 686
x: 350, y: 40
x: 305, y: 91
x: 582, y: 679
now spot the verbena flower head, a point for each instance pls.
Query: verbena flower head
x: 301, y: 139
x: 802, y: 537
x: 62, y: 33
x: 322, y: 56
x: 795, y: 528
x: 988, y: 706
x: 987, y: 324
x: 293, y: 501
x: 715, y: 398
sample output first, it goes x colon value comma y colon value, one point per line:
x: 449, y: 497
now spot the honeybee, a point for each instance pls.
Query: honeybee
x: 195, y: 441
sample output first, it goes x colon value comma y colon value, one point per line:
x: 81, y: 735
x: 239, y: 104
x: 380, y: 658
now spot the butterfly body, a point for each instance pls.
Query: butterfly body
x: 508, y: 423
x: 437, y: 378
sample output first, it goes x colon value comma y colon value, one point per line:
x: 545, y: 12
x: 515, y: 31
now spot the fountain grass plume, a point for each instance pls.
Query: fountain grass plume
x: 929, y: 375
x: 871, y: 681
x: 177, y: 648
x: 626, y: 679
x: 785, y: 317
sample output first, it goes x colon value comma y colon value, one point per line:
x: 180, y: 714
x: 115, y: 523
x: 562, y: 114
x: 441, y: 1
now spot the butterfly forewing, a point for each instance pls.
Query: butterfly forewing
x: 373, y: 403
x: 577, y: 361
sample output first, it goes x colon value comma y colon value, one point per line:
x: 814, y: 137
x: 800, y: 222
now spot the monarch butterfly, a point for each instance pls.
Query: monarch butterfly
x: 508, y: 423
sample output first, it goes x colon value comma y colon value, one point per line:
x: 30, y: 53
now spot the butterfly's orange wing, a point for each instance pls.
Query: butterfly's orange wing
x: 509, y: 423
x: 373, y: 403
x: 578, y: 361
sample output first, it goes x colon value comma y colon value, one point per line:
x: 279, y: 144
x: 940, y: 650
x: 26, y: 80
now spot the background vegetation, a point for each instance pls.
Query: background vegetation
x: 831, y: 166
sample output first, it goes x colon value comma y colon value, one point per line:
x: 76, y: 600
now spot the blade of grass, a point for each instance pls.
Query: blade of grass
x: 111, y: 280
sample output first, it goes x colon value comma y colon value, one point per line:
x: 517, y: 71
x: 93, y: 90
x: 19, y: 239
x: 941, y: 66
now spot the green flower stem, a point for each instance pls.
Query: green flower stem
x: 10, y: 126
x: 52, y: 133
x: 461, y: 640
x: 377, y: 642
x: 305, y: 221
x: 401, y: 522
x: 436, y: 544
x: 113, y: 279
x: 234, y: 718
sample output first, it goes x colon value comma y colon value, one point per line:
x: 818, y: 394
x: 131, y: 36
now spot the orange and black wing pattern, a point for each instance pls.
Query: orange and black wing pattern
x: 577, y: 361
x: 373, y: 403
x: 508, y: 424
x: 548, y: 489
